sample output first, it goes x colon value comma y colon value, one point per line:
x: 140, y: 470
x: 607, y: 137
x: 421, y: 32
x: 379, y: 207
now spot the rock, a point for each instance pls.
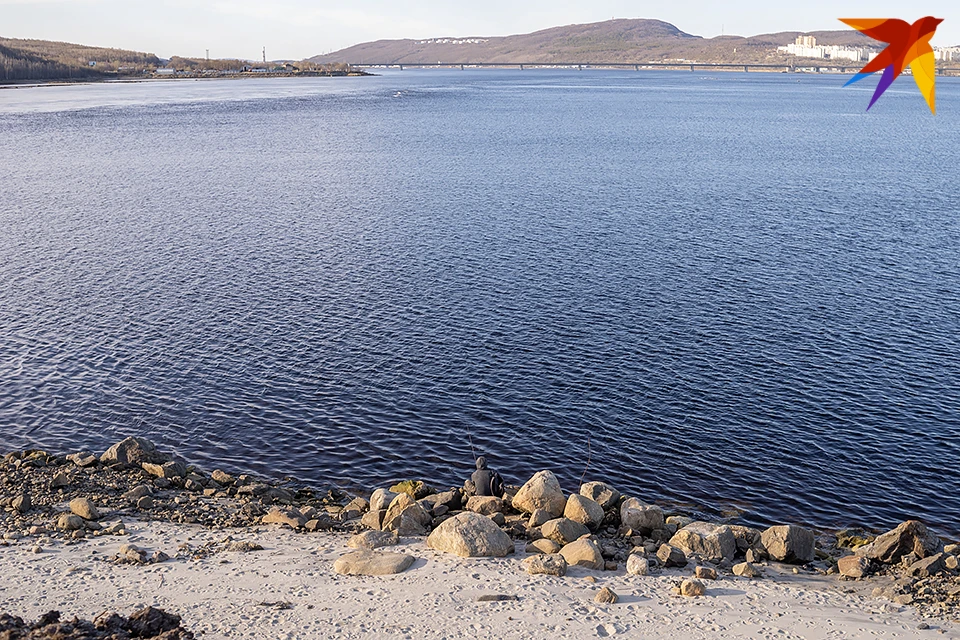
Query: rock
x: 637, y: 565
x: 222, y: 478
x: 705, y: 573
x: 952, y: 549
x: 373, y: 519
x: 909, y: 537
x: 82, y: 459
x: 583, y: 553
x: 542, y: 491
x: 158, y: 556
x: 745, y: 537
x: 406, y: 517
x: 853, y: 566
x: 358, y: 505
x: 70, y: 522
x: 929, y: 566
x: 137, y: 492
x: 499, y: 518
x: 452, y: 500
x: 951, y: 562
x: 563, y: 530
x: 691, y: 587
x: 373, y: 540
x: 413, y: 488
x: 62, y: 479
x: 538, y: 518
x: 497, y: 597
x: 131, y: 553
x: 606, y: 596
x: 853, y: 538
x: 610, y: 565
x: 552, y: 564
x: 36, y: 549
x: 755, y: 555
x: 372, y: 563
x: 543, y: 545
x: 679, y: 521
x: 670, y: 556
x: 22, y: 503
x: 641, y: 517
x: 283, y: 516
x: 469, y: 535
x: 146, y: 502
x: 84, y: 508
x: 132, y: 451
x: 714, y: 543
x: 485, y: 505
x: 601, y: 493
x: 789, y: 543
x: 747, y: 570
x: 583, y: 510
x: 165, y: 470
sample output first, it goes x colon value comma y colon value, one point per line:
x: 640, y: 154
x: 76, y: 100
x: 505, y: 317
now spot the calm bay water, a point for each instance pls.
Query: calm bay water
x: 740, y: 289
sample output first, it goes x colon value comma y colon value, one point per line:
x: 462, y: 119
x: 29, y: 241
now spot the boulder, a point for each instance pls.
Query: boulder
x: 789, y: 543
x: 132, y: 451
x: 854, y: 538
x: 746, y: 537
x: 373, y: 519
x: 713, y: 543
x: 679, y: 521
x: 929, y: 566
x: 485, y: 505
x: 641, y: 517
x: 584, y: 553
x: 62, y: 479
x: 606, y: 595
x: 542, y: 491
x: 373, y: 540
x: 601, y: 493
x: 583, y: 510
x: 538, y: 518
x: 166, y: 470
x: 909, y: 537
x: 286, y: 517
x: 406, y: 516
x: 22, y: 503
x: 222, y: 478
x: 452, y: 500
x: 637, y: 565
x: 670, y: 556
x: 747, y: 570
x: 469, y: 535
x: 543, y: 545
x: 70, y: 522
x: 853, y: 566
x: 84, y: 508
x: 691, y: 587
x: 372, y: 563
x: 705, y: 573
x: 381, y: 499
x: 413, y: 488
x: 552, y: 564
x: 951, y: 561
x: 563, y: 530
x: 83, y: 459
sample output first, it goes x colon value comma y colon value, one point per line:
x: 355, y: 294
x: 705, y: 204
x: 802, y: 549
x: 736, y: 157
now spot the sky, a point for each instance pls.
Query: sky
x: 297, y: 29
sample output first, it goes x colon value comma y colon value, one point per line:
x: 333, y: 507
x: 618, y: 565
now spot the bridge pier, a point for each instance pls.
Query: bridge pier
x: 746, y: 68
x: 461, y: 67
x: 401, y: 67
x: 579, y: 67
x: 691, y: 69
x: 521, y: 67
x: 636, y: 67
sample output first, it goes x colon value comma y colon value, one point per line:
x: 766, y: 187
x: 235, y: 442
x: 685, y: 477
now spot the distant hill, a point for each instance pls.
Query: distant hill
x: 45, y: 60
x: 624, y: 40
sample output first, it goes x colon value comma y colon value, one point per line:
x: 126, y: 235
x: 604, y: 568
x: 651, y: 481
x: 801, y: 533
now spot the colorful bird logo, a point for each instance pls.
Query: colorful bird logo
x: 908, y: 44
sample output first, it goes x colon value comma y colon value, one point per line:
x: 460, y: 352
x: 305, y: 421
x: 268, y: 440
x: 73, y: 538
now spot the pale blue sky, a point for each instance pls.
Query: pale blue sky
x: 297, y: 29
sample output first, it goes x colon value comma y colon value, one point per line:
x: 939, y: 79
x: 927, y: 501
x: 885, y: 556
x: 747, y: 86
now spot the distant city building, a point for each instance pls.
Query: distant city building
x: 807, y: 47
x: 453, y: 41
x: 947, y: 54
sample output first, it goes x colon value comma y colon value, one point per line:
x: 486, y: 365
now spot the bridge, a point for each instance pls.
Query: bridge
x: 637, y: 66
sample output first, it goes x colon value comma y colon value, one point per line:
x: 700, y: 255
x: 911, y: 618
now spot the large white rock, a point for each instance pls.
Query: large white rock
x: 470, y: 535
x: 601, y: 493
x: 789, y: 543
x: 583, y: 552
x: 637, y: 565
x: 583, y: 510
x: 381, y: 499
x: 563, y: 530
x: 542, y: 491
x: 372, y: 563
x: 712, y: 542
x: 639, y: 516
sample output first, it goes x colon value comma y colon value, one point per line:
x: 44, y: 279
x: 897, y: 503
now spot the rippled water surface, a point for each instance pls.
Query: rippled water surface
x: 741, y: 290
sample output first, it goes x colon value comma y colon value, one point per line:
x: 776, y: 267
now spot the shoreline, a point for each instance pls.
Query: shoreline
x: 66, y: 520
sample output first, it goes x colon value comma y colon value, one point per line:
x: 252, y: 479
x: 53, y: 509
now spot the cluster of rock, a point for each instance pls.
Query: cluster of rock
x: 146, y: 623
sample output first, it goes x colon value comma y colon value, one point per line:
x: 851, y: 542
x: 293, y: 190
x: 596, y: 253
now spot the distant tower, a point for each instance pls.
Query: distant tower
x: 208, y: 55
x: 264, y: 55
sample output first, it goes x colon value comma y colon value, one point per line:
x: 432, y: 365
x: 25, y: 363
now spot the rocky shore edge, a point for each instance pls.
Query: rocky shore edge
x: 47, y: 499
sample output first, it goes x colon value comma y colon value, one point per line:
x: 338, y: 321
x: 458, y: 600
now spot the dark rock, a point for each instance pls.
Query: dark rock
x: 930, y: 566
x: 22, y: 503
x: 151, y: 622
x: 497, y: 597
x: 670, y: 556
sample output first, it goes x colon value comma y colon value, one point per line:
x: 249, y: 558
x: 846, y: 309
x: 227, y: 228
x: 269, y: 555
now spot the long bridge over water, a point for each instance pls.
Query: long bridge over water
x: 637, y: 66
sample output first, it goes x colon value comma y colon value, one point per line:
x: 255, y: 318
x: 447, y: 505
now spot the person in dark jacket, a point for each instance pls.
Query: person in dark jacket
x: 486, y: 481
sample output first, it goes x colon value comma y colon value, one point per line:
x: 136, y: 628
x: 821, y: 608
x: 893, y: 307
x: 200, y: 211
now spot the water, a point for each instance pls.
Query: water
x: 740, y: 290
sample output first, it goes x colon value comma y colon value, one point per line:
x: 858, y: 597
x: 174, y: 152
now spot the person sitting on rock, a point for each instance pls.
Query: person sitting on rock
x: 486, y: 482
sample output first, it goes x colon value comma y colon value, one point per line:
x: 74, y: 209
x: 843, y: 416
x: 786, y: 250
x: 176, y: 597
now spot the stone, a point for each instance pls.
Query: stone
x: 853, y: 538
x: 951, y: 562
x: 470, y: 535
x: 285, y: 517
x: 538, y: 518
x: 679, y: 521
x: 132, y: 451
x: 583, y: 553
x: 542, y: 491
x: 381, y: 499
x: 413, y: 488
x: 705, y: 573
x: 853, y: 566
x: 551, y: 564
x: 952, y: 549
x: 406, y: 517
x: 499, y: 518
x: 452, y: 500
x: 166, y: 470
x: 583, y: 510
x: 713, y: 543
x: 222, y: 478
x: 373, y: 519
x: 670, y: 556
x: 146, y: 502
x: 911, y: 536
x: 610, y: 565
x: 929, y: 566
x: 641, y: 517
x: 485, y: 505
x: 69, y: 522
x: 543, y: 545
x: 138, y: 492
x: 22, y: 503
x: 373, y: 540
x: 601, y: 493
x: 83, y: 459
x: 61, y: 479
x: 322, y: 522
x: 563, y: 530
x: 755, y: 555
x: 789, y: 543
x: 745, y: 537
x: 131, y: 553
x: 606, y: 595
x: 359, y: 505
x: 159, y: 556
x: 637, y: 565
x: 746, y: 570
x: 84, y: 508
x: 372, y: 563
x: 692, y: 588
x: 497, y: 597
